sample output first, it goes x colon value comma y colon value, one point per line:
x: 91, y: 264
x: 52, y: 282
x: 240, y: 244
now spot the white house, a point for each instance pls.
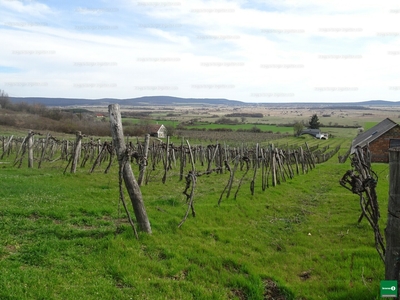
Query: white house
x: 158, y: 131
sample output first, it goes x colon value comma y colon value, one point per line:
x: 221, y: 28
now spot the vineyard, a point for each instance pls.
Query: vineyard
x: 230, y: 220
x: 266, y: 163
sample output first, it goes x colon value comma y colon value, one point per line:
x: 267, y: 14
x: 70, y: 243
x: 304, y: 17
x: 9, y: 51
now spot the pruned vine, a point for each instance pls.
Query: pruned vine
x: 362, y: 180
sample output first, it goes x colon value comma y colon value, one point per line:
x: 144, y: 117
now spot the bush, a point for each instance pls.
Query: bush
x: 227, y: 121
x: 245, y: 115
x: 8, y: 120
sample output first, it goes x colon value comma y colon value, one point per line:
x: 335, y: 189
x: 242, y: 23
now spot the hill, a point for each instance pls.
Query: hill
x: 169, y: 101
x: 142, y: 101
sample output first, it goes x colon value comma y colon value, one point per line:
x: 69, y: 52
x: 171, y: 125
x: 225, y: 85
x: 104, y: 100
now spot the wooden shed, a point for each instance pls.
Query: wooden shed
x: 158, y: 130
x: 380, y: 138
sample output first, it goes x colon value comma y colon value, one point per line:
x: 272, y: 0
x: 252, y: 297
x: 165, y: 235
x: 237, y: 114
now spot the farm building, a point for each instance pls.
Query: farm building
x: 158, y: 131
x: 315, y: 133
x: 380, y: 138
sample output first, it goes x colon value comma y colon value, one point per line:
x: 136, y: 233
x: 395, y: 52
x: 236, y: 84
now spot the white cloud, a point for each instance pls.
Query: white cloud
x: 269, y: 51
x: 30, y: 8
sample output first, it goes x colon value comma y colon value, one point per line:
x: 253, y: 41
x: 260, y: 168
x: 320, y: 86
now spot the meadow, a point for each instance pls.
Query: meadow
x: 66, y: 236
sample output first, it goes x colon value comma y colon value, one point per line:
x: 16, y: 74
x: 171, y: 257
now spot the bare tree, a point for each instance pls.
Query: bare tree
x: 4, y: 100
x: 298, y: 128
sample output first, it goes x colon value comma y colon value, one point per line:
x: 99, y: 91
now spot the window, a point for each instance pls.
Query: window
x: 394, y: 143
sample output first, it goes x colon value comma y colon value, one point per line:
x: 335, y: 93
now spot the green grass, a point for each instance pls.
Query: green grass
x: 247, y: 126
x: 63, y: 237
x: 155, y: 121
x: 208, y: 125
x: 368, y: 125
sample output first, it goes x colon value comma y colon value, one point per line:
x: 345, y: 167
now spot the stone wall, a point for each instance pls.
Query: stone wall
x: 380, y: 147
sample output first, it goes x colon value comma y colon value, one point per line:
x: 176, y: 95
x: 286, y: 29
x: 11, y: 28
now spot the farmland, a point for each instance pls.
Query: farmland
x: 65, y: 236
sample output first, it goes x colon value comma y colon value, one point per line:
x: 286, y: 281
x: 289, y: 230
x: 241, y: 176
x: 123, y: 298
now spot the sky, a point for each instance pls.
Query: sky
x: 251, y: 51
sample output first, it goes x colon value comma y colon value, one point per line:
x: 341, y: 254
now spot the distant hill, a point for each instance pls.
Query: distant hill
x: 380, y: 103
x: 142, y: 101
x: 168, y: 101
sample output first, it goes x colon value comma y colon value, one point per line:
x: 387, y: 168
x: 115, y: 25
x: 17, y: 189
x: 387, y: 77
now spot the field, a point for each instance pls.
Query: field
x: 66, y: 236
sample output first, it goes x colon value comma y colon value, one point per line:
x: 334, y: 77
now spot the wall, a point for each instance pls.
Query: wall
x: 380, y: 147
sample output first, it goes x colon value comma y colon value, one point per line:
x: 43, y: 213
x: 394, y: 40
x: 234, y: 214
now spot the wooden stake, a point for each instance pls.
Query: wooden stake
x: 143, y: 163
x: 30, y: 149
x: 130, y: 182
x: 392, y: 255
x: 77, y: 151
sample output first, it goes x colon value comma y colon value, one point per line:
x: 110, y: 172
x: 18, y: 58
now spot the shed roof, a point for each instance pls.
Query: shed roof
x: 373, y: 133
x: 154, y: 128
x: 310, y: 131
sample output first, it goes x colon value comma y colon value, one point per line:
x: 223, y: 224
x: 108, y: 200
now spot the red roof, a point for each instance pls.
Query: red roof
x: 153, y: 128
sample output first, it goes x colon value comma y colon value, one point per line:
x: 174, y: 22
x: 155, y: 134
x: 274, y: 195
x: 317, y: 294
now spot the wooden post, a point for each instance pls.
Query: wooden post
x: 130, y: 182
x: 273, y: 167
x: 143, y: 164
x: 220, y: 159
x: 7, y: 147
x: 77, y: 151
x: 166, y: 161
x: 182, y: 159
x: 392, y: 255
x: 44, y: 146
x: 30, y: 149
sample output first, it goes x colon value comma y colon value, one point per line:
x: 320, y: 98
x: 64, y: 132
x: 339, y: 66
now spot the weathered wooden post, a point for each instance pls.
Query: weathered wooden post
x: 130, y: 182
x: 44, y: 146
x: 274, y: 181
x: 30, y: 149
x: 166, y: 161
x: 99, y: 147
x: 182, y: 161
x: 7, y: 147
x: 143, y: 164
x: 77, y: 151
x: 392, y: 230
x: 221, y: 159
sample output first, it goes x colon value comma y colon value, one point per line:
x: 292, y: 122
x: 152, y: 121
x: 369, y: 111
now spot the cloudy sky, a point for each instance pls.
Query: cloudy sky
x: 252, y: 51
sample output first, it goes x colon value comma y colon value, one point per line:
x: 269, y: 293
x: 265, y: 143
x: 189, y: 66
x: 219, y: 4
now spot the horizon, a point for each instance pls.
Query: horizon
x: 214, y: 99
x: 250, y: 52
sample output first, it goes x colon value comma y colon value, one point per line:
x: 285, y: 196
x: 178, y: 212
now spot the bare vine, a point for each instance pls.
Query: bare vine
x: 362, y: 180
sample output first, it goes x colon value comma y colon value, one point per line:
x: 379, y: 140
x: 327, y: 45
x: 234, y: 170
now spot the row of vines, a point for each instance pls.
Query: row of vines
x: 155, y: 159
x: 160, y: 159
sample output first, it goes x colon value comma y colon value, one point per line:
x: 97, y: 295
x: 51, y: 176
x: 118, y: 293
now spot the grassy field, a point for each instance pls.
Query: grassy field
x: 263, y: 127
x: 368, y: 125
x: 66, y: 237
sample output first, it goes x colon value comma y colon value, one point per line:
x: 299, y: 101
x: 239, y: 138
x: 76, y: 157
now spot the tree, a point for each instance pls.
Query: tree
x: 4, y: 100
x: 314, y: 122
x: 170, y: 130
x: 298, y: 128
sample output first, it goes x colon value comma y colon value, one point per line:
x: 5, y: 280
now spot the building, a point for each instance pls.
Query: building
x: 380, y: 138
x: 310, y: 131
x: 315, y: 133
x: 157, y: 130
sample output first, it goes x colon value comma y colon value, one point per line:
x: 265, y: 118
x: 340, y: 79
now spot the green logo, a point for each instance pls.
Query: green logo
x: 389, y: 288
